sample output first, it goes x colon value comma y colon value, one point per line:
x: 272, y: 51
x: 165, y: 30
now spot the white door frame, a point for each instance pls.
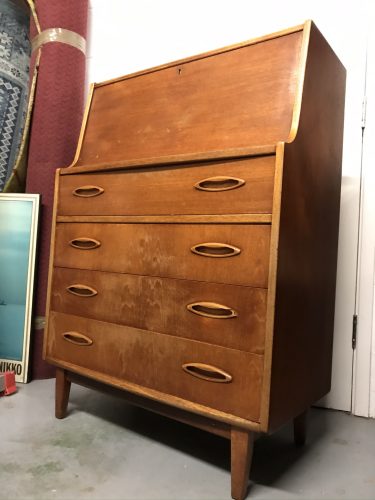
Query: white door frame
x: 363, y: 400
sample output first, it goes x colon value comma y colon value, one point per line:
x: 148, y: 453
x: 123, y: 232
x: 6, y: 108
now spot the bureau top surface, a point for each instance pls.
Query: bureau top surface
x: 243, y: 96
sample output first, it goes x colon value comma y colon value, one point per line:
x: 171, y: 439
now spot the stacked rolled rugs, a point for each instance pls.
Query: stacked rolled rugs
x: 58, y: 33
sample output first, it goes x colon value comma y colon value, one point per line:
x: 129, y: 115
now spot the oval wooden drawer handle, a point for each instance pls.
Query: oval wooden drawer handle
x: 212, y: 310
x: 84, y: 243
x: 82, y: 290
x: 213, y: 249
x: 219, y: 183
x: 88, y: 191
x: 207, y: 372
x: 77, y: 338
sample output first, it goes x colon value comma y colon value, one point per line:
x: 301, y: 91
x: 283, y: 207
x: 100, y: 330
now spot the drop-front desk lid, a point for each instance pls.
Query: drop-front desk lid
x: 238, y: 100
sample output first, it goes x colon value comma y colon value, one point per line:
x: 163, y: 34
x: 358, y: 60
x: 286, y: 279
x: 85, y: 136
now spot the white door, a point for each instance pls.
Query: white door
x: 127, y: 36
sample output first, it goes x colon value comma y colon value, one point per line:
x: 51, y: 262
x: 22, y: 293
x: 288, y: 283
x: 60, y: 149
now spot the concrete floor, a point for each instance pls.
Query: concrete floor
x: 108, y: 450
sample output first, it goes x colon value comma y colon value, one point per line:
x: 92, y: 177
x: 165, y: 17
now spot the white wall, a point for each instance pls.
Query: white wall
x: 130, y: 35
x: 364, y: 387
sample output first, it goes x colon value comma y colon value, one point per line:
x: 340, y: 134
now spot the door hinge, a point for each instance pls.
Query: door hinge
x: 354, y: 331
x: 364, y: 110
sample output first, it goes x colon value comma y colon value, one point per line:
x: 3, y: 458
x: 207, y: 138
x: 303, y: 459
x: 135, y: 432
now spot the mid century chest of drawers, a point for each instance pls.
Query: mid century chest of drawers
x: 193, y: 259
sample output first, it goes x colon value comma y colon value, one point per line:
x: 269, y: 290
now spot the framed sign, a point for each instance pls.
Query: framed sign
x: 18, y: 235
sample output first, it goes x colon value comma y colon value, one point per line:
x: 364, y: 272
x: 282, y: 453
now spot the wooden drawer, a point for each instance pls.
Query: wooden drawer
x: 227, y: 315
x: 165, y: 250
x: 241, y: 186
x: 156, y: 361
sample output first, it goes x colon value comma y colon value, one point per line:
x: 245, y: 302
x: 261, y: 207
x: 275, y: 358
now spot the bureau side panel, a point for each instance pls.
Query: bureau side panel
x: 307, y: 254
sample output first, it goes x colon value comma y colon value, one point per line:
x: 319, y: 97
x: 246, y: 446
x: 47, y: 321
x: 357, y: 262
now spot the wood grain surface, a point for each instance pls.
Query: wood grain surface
x: 171, y: 191
x: 160, y: 305
x: 155, y: 361
x: 164, y: 112
x: 165, y: 250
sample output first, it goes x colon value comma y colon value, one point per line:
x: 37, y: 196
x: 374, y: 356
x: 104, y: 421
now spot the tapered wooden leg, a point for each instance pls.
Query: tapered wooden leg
x: 300, y: 427
x: 241, y: 454
x: 62, y: 393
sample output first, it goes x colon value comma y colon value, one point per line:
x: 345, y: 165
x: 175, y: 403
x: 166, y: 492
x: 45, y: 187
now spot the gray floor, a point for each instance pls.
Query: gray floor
x: 108, y: 450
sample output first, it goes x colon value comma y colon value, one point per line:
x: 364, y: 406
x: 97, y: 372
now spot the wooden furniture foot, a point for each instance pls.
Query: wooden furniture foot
x: 300, y: 424
x: 242, y: 442
x: 62, y: 393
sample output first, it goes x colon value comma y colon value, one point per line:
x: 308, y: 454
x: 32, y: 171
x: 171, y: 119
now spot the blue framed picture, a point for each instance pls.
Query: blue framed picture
x: 18, y: 237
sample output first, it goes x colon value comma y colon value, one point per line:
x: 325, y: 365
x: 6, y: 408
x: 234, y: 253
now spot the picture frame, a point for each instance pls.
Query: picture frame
x: 19, y: 216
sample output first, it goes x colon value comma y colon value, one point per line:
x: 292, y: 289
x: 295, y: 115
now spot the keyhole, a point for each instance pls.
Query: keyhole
x: 179, y: 71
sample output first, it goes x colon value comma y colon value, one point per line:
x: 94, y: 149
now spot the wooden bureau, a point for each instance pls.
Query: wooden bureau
x: 193, y: 258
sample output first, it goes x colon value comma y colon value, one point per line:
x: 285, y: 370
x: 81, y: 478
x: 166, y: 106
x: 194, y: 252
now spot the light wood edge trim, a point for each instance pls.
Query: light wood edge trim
x: 300, y: 79
x: 51, y: 259
x: 170, y: 219
x: 213, y: 306
x: 208, y: 368
x: 83, y: 126
x: 271, y: 295
x: 154, y: 395
x: 188, y: 158
x: 204, y: 55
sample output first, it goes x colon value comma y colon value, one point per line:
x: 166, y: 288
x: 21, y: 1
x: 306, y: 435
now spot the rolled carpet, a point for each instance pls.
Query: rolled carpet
x: 14, y: 81
x: 56, y: 122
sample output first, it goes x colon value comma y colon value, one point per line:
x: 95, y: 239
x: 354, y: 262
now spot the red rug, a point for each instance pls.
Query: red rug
x: 56, y: 122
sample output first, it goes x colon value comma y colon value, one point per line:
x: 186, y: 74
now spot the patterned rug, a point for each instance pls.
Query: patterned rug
x: 14, y: 80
